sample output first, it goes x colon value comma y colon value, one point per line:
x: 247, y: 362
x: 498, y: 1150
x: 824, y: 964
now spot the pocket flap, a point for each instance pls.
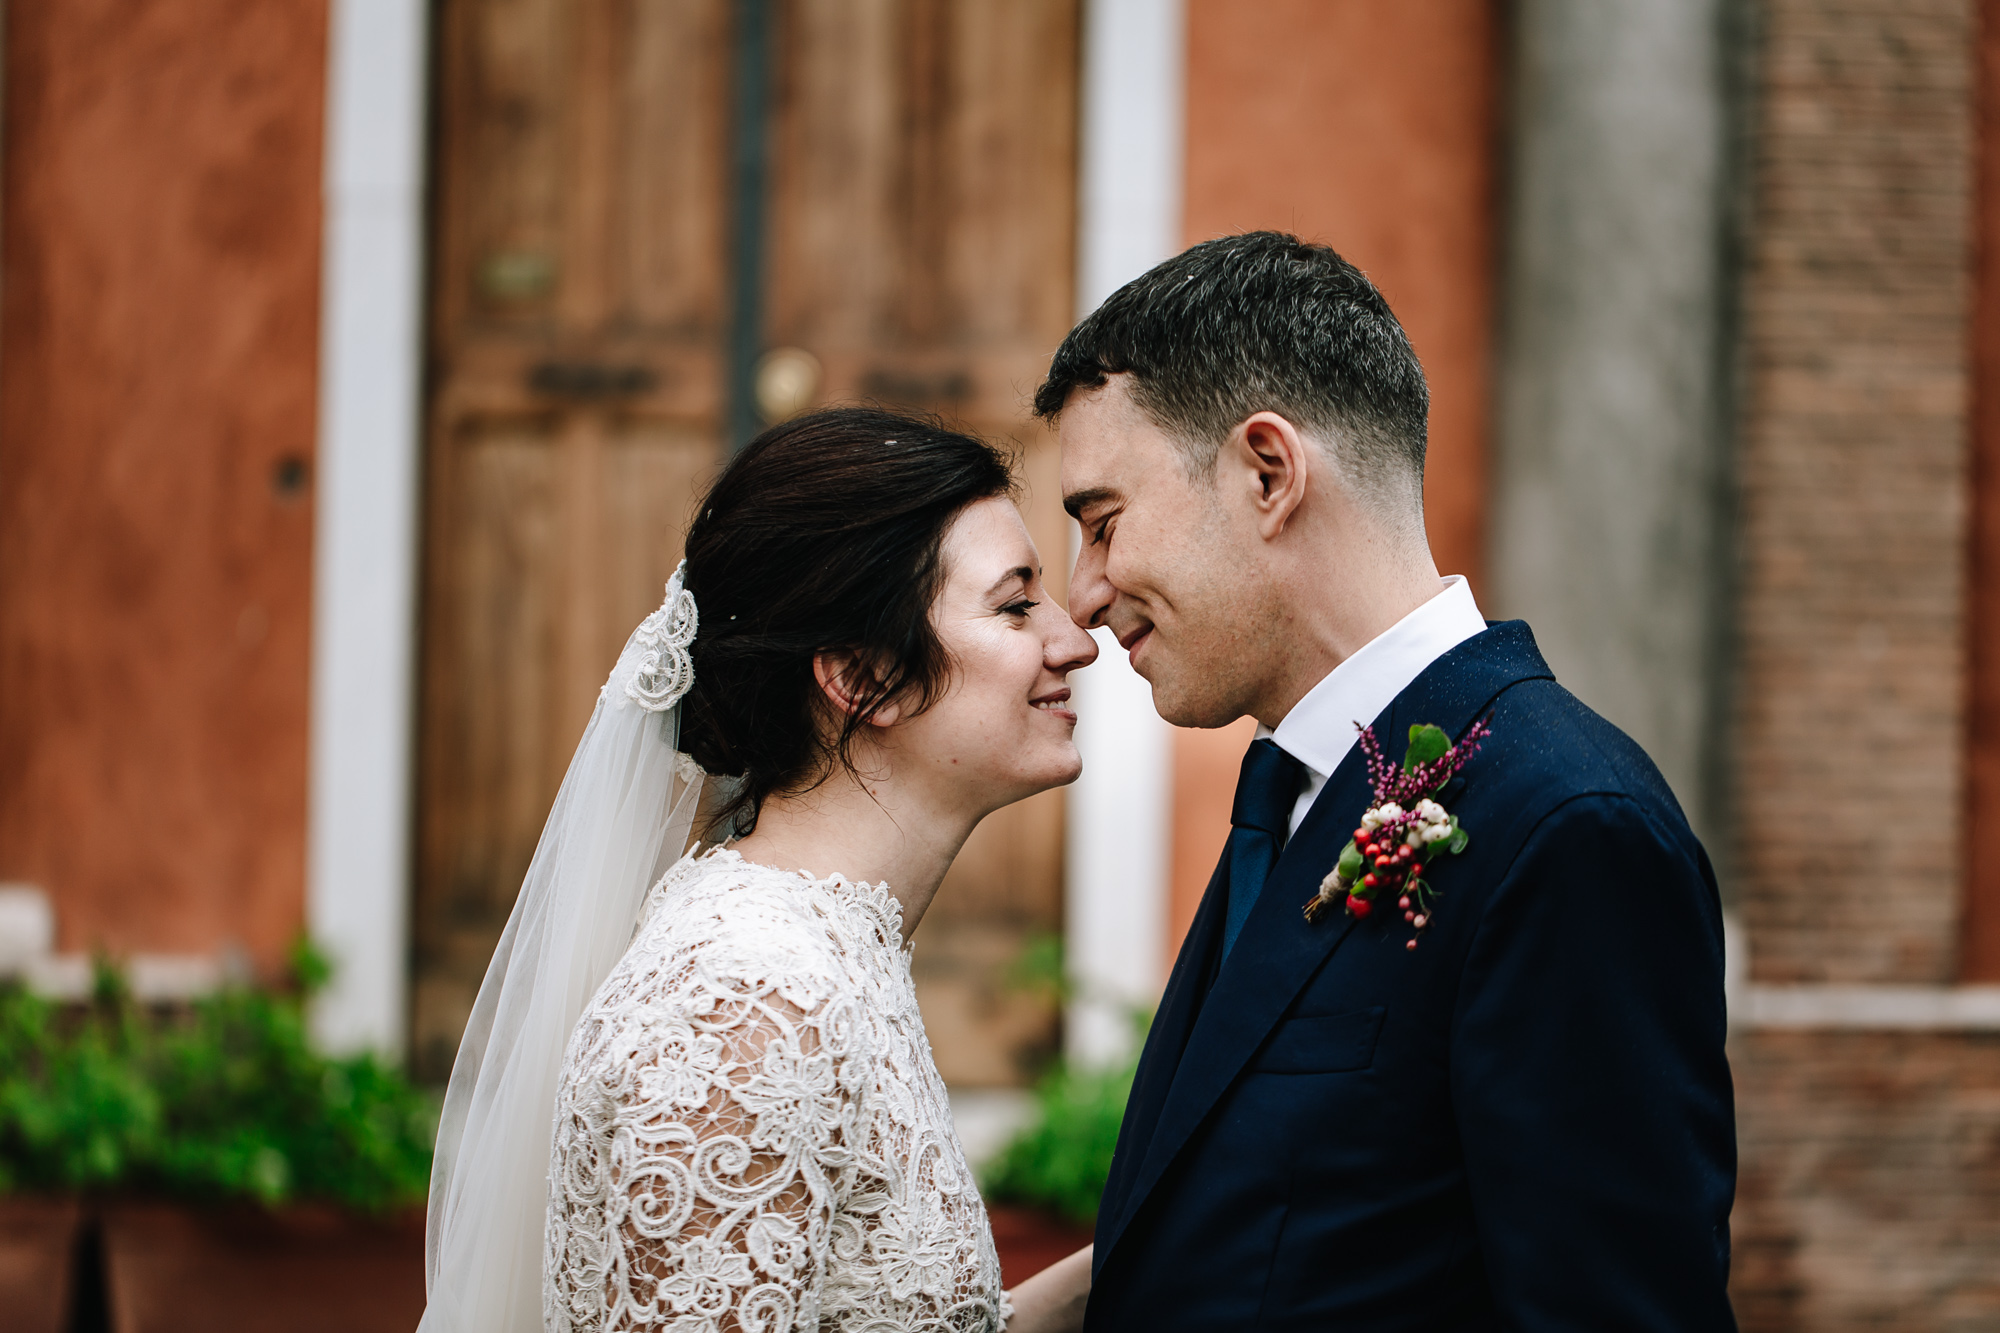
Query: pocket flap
x: 1323, y: 1044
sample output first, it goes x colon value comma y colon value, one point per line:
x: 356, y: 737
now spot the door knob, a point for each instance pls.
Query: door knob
x: 787, y: 383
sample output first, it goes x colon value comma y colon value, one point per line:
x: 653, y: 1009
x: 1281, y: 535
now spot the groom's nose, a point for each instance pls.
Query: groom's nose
x: 1090, y: 591
x: 1069, y: 650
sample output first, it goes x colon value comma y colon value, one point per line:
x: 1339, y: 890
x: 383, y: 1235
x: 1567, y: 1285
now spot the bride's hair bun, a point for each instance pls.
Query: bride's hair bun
x: 825, y: 532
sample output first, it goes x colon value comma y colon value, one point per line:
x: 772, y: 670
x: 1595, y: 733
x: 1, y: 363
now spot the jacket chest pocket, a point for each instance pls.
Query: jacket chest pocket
x: 1321, y: 1044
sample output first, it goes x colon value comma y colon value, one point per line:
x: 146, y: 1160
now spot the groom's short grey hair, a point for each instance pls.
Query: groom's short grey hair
x: 1260, y: 322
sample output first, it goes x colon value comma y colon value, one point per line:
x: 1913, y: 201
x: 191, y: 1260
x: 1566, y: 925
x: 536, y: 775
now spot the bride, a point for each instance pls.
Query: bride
x: 695, y: 1091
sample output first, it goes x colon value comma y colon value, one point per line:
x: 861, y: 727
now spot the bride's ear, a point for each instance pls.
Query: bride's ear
x: 847, y: 682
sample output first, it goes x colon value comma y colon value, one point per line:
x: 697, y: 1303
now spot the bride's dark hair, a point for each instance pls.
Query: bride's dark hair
x: 823, y: 534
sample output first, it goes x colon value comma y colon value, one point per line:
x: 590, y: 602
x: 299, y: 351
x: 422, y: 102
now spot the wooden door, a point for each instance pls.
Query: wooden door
x: 919, y: 226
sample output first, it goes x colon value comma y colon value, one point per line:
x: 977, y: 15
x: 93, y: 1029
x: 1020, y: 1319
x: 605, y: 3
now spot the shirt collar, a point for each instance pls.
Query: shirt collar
x: 1323, y: 726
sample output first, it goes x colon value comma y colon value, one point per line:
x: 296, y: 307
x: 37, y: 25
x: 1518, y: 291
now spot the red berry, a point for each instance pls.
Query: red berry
x: 1403, y: 901
x: 1371, y: 850
x: 1381, y: 861
x: 1419, y: 922
x: 1411, y: 945
x: 1361, y: 907
x: 1368, y: 881
x: 1409, y: 916
x: 1404, y: 853
x: 1416, y: 868
x: 1361, y: 837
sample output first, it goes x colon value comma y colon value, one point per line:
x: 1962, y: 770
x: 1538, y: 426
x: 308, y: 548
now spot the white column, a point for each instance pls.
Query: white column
x: 365, y: 539
x: 1129, y: 219
x: 1609, y: 481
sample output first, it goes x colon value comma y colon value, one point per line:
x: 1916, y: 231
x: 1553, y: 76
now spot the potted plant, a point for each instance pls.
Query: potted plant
x: 208, y: 1164
x: 1043, y: 1187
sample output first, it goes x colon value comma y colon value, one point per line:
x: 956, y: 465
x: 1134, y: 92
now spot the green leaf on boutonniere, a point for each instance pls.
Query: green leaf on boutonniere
x: 1459, y: 837
x: 1349, y: 865
x: 1426, y: 743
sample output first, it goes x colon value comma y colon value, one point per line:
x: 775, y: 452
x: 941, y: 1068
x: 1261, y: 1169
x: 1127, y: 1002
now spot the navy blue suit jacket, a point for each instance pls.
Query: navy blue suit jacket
x: 1524, y: 1123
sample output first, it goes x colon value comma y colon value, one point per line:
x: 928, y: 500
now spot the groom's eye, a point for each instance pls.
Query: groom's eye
x: 1097, y: 534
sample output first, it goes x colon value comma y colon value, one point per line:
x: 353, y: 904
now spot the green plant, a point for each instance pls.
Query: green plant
x: 1061, y: 1161
x: 226, y: 1098
x: 75, y: 1108
x: 1041, y: 969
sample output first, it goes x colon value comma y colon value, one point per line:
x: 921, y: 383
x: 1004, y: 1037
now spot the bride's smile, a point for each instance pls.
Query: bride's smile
x: 1003, y: 727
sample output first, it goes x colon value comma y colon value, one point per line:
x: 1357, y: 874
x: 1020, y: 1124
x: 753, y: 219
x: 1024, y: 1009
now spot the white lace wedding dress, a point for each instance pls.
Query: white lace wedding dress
x: 750, y: 1131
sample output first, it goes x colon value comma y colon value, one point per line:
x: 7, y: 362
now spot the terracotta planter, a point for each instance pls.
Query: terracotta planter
x: 1030, y: 1240
x: 38, y: 1245
x: 173, y: 1268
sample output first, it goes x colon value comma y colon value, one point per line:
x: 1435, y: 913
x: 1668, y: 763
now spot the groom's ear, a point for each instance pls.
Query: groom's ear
x: 849, y: 683
x: 1272, y: 463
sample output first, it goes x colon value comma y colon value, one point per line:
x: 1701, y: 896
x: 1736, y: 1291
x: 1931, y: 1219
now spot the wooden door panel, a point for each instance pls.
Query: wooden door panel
x: 501, y: 160
x: 486, y: 750
x: 672, y: 157
x: 1010, y: 247
x: 924, y: 177
x: 583, y: 156
x: 505, y: 535
x: 653, y: 472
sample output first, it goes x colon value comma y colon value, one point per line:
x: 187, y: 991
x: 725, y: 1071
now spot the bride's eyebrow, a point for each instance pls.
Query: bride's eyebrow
x: 1021, y: 572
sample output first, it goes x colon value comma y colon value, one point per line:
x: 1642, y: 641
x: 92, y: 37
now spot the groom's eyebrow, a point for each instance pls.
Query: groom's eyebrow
x: 1077, y: 501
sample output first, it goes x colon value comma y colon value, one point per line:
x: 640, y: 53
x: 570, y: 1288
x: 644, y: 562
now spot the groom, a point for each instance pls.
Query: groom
x: 1525, y: 1120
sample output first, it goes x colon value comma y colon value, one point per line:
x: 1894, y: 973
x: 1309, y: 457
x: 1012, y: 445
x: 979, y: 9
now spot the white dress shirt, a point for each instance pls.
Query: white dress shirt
x: 1324, y: 726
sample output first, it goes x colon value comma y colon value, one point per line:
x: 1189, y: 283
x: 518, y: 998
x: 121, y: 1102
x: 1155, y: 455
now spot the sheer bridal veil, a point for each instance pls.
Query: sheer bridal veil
x: 623, y: 816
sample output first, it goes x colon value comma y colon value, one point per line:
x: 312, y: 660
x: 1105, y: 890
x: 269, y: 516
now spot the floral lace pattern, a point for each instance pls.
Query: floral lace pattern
x: 666, y: 670
x: 751, y: 1133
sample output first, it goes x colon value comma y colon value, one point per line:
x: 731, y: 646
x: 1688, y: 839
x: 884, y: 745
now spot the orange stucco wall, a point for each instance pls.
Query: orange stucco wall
x: 159, y: 277
x: 1373, y: 128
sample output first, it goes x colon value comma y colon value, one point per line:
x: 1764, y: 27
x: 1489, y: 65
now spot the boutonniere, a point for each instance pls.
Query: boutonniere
x: 1403, y: 828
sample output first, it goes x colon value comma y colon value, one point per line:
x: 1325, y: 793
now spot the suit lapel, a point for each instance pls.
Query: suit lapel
x: 1278, y: 951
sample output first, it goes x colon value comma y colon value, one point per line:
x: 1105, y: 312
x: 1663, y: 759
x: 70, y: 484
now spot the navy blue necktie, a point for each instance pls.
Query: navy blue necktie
x: 1260, y: 820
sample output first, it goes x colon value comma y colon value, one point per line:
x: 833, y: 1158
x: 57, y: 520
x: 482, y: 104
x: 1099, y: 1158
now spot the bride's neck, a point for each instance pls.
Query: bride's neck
x: 869, y: 831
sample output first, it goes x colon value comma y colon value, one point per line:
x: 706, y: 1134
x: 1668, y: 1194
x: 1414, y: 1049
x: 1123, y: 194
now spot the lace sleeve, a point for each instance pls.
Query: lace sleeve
x: 701, y: 1156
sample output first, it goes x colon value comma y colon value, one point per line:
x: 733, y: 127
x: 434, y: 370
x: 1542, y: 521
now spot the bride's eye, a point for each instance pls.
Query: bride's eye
x: 1020, y: 608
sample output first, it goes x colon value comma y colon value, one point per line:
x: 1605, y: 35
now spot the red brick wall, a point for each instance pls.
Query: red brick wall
x: 1870, y: 1189
x: 1870, y: 1186
x: 1373, y: 128
x: 1852, y: 470
x: 158, y: 347
x: 1980, y: 955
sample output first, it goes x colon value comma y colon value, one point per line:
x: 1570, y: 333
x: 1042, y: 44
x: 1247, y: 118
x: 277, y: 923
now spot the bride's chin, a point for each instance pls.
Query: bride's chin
x: 1068, y: 771
x: 1056, y: 770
